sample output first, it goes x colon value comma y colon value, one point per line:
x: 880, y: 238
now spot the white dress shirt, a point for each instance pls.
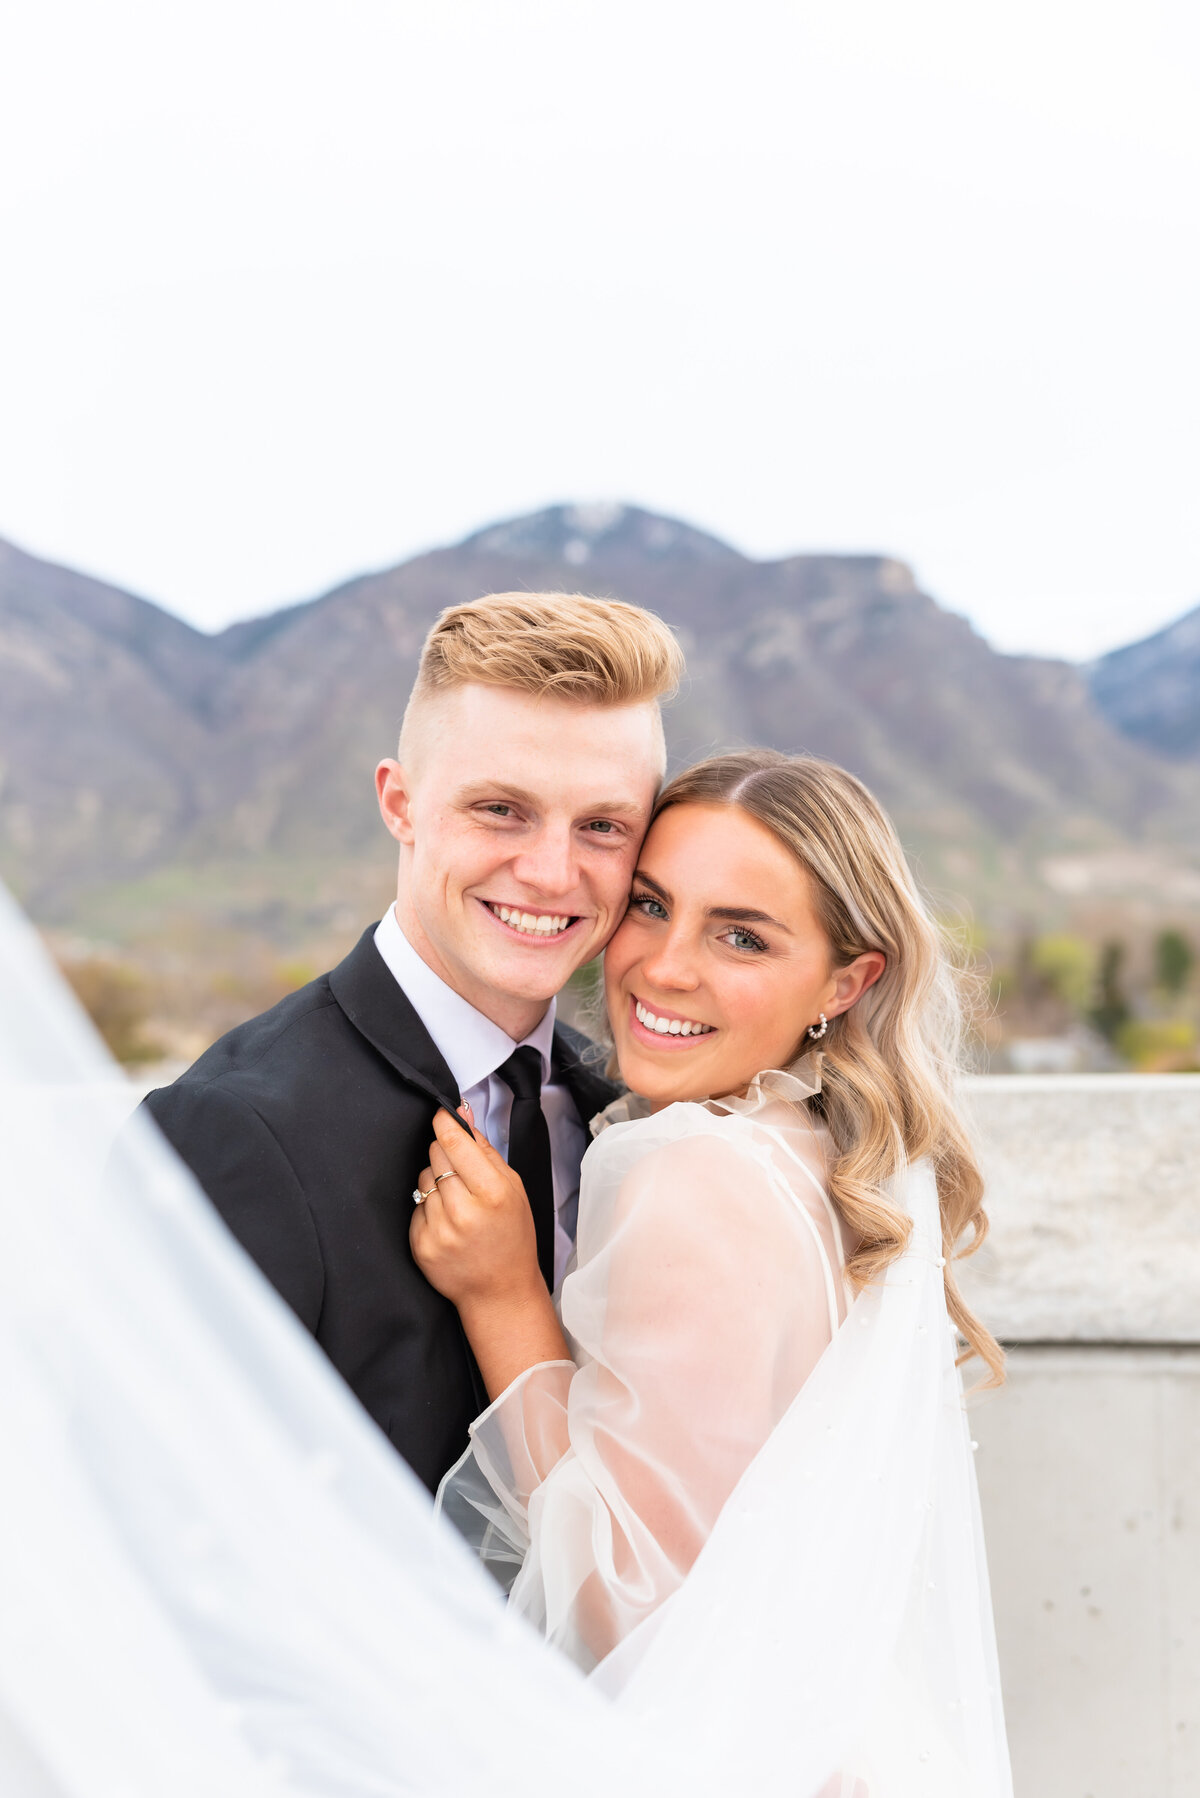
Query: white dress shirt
x: 472, y: 1047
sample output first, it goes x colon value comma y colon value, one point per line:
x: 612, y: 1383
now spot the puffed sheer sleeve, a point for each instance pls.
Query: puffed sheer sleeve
x: 706, y: 1288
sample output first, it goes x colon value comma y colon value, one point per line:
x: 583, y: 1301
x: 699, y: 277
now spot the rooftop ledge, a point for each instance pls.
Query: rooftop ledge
x: 1093, y: 1191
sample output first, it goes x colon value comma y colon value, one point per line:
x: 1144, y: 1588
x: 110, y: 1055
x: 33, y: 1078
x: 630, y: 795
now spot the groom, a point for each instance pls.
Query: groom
x: 530, y: 755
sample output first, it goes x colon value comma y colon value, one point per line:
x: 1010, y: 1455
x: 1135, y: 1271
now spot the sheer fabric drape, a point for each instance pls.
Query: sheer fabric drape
x: 217, y: 1577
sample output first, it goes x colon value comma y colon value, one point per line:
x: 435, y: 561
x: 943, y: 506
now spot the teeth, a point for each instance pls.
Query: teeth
x: 531, y: 923
x: 669, y: 1026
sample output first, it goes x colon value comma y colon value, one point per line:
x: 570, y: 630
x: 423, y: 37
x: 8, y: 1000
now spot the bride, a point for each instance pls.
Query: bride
x: 791, y: 1172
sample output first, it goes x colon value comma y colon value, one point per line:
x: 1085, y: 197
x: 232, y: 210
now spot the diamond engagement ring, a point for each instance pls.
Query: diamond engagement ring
x: 419, y: 1197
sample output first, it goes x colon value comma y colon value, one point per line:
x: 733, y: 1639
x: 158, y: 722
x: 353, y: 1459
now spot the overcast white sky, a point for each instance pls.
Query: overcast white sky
x: 291, y: 289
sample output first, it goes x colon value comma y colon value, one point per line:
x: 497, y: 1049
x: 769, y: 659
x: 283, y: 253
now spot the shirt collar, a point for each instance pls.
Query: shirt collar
x: 471, y: 1046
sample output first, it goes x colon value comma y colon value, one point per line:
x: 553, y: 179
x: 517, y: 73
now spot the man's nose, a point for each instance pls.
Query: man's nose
x: 548, y: 864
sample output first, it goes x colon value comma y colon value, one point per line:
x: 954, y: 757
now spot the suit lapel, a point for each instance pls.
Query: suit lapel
x: 577, y: 1062
x: 380, y: 1010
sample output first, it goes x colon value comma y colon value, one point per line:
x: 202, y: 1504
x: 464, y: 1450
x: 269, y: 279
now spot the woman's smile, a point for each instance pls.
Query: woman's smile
x: 659, y: 1028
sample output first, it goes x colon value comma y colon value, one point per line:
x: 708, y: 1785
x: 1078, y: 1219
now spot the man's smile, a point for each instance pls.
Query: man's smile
x: 533, y: 926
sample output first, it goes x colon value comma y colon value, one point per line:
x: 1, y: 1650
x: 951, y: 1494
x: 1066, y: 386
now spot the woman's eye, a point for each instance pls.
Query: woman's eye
x: 645, y: 902
x: 745, y: 939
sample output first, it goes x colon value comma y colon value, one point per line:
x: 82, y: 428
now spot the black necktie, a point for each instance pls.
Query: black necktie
x: 529, y: 1148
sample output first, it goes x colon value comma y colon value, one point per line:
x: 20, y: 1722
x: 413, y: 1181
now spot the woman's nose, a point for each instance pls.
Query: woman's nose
x: 672, y: 965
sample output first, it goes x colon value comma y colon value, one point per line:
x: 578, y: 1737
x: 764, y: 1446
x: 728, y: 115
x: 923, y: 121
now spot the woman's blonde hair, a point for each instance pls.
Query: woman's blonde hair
x: 891, y: 1061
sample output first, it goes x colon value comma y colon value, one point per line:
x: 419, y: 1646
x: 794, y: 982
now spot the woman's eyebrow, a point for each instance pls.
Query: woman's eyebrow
x: 645, y: 880
x: 747, y: 915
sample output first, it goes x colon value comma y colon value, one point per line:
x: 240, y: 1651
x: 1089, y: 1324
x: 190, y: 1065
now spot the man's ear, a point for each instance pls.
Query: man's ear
x: 395, y: 800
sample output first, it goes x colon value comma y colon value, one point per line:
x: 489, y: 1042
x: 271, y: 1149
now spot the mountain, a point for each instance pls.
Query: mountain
x: 102, y: 725
x: 148, y: 771
x: 613, y: 534
x: 1151, y: 690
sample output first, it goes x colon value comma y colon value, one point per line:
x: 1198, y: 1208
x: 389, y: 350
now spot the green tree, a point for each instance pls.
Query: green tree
x: 1159, y: 1045
x: 1174, y: 959
x: 1068, y: 966
x: 1111, y: 1009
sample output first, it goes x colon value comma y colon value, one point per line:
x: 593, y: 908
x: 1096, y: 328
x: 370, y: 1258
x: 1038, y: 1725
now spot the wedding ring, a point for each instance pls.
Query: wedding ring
x: 419, y: 1197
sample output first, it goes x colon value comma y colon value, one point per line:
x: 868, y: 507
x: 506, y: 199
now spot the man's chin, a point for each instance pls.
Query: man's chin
x: 532, y: 974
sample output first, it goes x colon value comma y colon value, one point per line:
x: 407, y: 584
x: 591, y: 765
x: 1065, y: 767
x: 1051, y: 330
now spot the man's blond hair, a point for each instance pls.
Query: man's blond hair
x: 560, y: 645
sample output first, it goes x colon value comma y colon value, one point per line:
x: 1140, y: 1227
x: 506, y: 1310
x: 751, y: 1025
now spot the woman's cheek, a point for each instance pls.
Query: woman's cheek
x: 618, y: 956
x: 757, y: 1022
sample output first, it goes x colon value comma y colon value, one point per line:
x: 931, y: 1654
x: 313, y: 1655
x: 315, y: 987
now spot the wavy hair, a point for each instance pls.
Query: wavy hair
x: 891, y: 1062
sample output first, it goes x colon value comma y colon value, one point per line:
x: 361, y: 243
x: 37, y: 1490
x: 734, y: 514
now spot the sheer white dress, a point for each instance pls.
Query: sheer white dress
x: 715, y: 1386
x: 706, y: 1286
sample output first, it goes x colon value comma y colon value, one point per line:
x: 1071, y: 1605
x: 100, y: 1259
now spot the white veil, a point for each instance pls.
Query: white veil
x: 216, y: 1577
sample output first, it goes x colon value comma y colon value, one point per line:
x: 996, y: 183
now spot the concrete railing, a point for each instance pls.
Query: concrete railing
x: 1089, y: 1460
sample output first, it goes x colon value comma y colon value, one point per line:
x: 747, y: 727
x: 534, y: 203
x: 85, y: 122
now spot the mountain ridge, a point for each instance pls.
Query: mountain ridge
x: 1150, y: 689
x: 134, y: 747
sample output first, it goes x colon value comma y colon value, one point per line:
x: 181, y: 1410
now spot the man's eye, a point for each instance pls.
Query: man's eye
x: 603, y: 827
x: 499, y: 811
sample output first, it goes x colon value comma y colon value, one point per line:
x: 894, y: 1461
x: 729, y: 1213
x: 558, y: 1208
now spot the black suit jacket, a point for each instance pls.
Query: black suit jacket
x: 307, y: 1127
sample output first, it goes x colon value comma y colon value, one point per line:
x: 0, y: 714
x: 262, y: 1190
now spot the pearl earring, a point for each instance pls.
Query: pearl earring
x: 812, y: 1033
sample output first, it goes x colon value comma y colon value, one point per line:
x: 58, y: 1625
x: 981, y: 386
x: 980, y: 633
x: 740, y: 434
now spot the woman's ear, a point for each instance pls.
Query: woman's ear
x: 853, y: 981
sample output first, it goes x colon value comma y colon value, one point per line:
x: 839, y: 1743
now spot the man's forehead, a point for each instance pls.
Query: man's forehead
x: 507, y: 708
x: 530, y: 740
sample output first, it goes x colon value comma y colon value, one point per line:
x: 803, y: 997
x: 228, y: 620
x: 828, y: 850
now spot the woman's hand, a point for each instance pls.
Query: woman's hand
x: 473, y: 1238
